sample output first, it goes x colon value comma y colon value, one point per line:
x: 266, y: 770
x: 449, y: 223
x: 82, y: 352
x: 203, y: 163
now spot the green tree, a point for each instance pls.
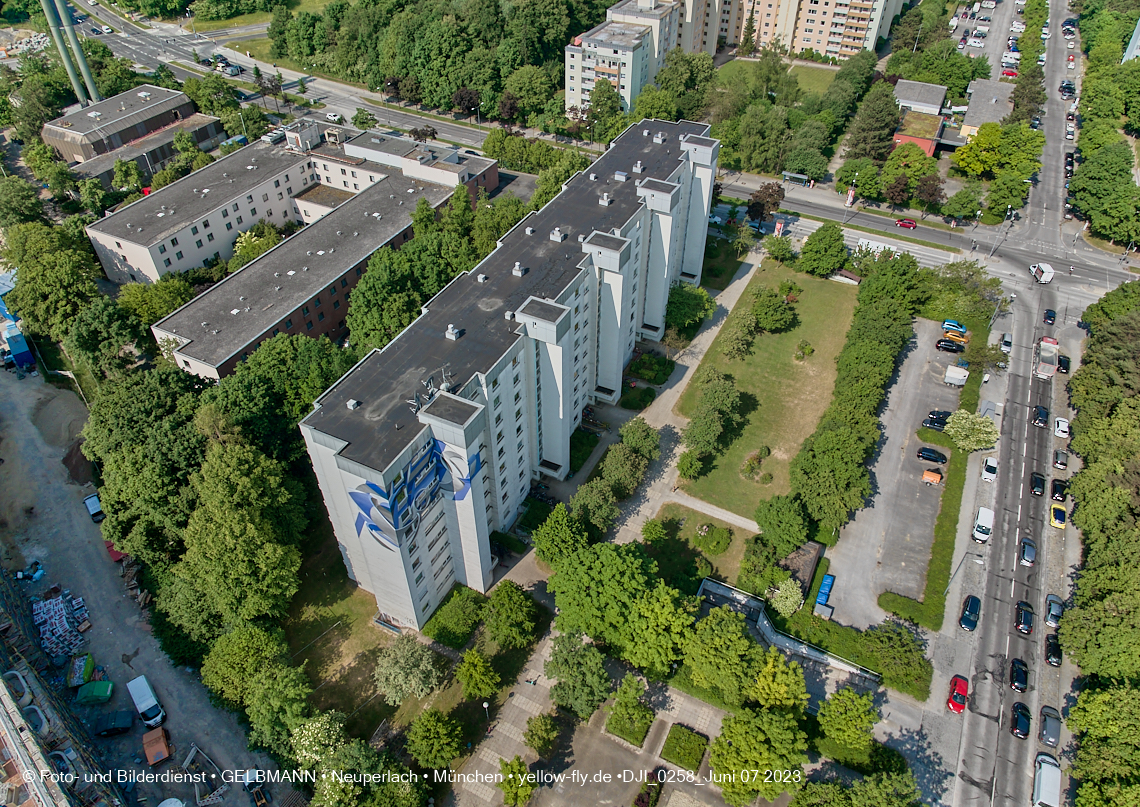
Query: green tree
x: 829, y: 476
x: 661, y: 620
x: 653, y: 530
x: 872, y: 130
x: 780, y: 685
x: 241, y: 557
x: 720, y: 654
x: 541, y: 735
x: 897, y: 192
x: 434, y: 739
x: 605, y: 104
x: 582, y: 684
x: 597, y: 588
x: 595, y: 507
x: 981, y: 155
x: 772, y: 312
x: 780, y: 248
x: 623, y: 470
x: 239, y: 658
x: 783, y: 524
x: 687, y: 305
x: 758, y: 740
x: 690, y: 465
x: 127, y: 176
x: 656, y: 104
x: 765, y: 201
x: 628, y: 713
x: 531, y: 86
x: 747, y: 44
x: 317, y: 738
x: 910, y: 161
x: 150, y: 302
x: 964, y: 203
x: 971, y: 432
x: 92, y: 196
x: 1105, y: 718
x: 886, y: 790
x: 822, y: 794
x: 478, y: 677
x: 510, y: 616
x: 848, y: 720
x: 19, y: 202
x: 788, y: 599
x: 641, y: 438
x: 252, y: 244
x: 56, y: 280
x: 559, y: 537
x: 458, y: 217
x: 406, y: 668
x: 363, y: 119
x: 855, y: 171
x: 99, y: 334
x: 277, y: 702
x: 516, y: 783
x: 824, y: 252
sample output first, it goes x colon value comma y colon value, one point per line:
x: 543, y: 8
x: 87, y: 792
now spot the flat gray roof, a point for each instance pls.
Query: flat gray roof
x: 125, y: 109
x: 192, y: 197
x: 378, y: 430
x: 547, y: 312
x: 325, y: 195
x: 434, y: 153
x: 662, y: 9
x: 453, y: 410
x: 136, y: 148
x: 919, y: 92
x: 296, y: 270
x: 606, y: 241
x: 989, y: 102
x: 618, y: 34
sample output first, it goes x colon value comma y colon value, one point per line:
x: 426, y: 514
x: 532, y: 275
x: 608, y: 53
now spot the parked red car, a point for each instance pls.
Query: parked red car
x: 959, y: 690
x: 908, y: 224
x: 1009, y: 73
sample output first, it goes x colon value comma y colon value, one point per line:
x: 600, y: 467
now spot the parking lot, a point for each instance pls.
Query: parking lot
x: 887, y: 545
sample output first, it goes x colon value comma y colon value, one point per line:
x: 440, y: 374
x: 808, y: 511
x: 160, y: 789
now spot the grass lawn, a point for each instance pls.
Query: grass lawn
x: 720, y: 264
x: 330, y: 628
x: 536, y: 513
x: 813, y: 79
x: 676, y: 554
x: 684, y: 747
x: 789, y: 396
x: 735, y: 70
x: 53, y: 358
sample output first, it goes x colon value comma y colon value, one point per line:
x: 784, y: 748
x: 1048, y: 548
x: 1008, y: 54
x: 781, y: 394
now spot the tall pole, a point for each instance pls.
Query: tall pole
x: 53, y: 24
x: 80, y: 59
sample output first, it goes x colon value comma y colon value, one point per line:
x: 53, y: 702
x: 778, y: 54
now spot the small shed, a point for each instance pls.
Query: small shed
x: 920, y: 96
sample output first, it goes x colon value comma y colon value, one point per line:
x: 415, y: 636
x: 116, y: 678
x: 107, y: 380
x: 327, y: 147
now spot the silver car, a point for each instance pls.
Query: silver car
x: 1028, y: 552
x: 1050, y: 733
x: 1054, y: 608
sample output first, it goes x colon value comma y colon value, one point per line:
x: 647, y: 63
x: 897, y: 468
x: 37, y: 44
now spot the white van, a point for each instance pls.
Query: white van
x: 1046, y: 782
x: 146, y: 702
x: 983, y: 525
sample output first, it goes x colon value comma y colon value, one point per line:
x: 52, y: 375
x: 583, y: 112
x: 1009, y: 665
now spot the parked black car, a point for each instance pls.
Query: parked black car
x: 1023, y: 618
x: 1063, y: 364
x: 1058, y: 489
x: 930, y: 455
x: 949, y: 346
x: 1037, y: 484
x: 113, y: 723
x: 971, y: 613
x: 1052, y: 650
x: 1019, y: 720
x: 1018, y: 675
x: 1040, y: 416
x: 1050, y: 316
x: 937, y: 425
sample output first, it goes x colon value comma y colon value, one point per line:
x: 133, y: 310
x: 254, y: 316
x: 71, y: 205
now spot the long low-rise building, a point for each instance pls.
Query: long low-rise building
x: 301, y: 286
x: 152, y: 153
x: 428, y: 445
x: 198, y: 218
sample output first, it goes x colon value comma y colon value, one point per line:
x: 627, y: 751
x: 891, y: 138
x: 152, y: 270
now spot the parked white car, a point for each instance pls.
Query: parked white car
x: 989, y: 469
x: 976, y: 43
x: 1062, y: 428
x: 717, y: 220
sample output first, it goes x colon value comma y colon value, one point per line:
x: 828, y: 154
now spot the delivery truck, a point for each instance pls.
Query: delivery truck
x: 1042, y: 272
x: 1047, y: 350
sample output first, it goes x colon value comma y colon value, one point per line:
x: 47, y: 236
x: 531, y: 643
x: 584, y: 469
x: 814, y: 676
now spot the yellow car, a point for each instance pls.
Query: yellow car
x: 1057, y: 516
x: 954, y: 336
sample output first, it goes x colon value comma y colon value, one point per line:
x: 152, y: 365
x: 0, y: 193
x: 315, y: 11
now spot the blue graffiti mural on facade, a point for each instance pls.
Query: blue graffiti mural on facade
x: 392, y: 517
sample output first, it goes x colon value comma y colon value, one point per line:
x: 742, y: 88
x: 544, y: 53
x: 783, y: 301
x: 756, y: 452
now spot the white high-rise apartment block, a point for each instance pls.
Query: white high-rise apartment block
x: 430, y: 444
x: 838, y: 28
x: 627, y: 49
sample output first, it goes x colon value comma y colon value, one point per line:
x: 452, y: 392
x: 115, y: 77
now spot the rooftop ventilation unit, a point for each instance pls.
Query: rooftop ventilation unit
x: 352, y: 403
x: 481, y: 279
x: 621, y: 176
x: 508, y: 315
x: 529, y: 230
x: 236, y: 311
x: 637, y: 168
x: 452, y: 332
x: 557, y: 235
x: 95, y: 115
x: 659, y: 137
x: 605, y: 201
x: 519, y: 269
x: 593, y: 177
x: 645, y: 133
x: 144, y: 95
x: 581, y: 237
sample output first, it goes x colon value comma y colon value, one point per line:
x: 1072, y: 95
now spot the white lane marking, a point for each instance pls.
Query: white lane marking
x: 1012, y: 583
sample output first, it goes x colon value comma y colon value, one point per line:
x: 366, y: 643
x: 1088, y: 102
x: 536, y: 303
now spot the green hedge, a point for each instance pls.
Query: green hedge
x: 684, y: 747
x: 637, y: 399
x: 582, y: 445
x: 654, y: 369
x: 632, y: 731
x: 458, y: 615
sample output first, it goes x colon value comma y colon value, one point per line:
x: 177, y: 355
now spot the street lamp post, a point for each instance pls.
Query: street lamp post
x: 1001, y: 235
x: 475, y: 109
x: 978, y: 559
x: 487, y: 711
x: 977, y: 216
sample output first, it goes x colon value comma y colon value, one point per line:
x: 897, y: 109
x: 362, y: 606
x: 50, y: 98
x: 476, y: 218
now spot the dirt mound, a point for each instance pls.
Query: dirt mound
x: 59, y: 417
x: 78, y: 466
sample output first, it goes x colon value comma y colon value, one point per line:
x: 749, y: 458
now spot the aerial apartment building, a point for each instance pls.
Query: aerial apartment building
x: 198, y: 218
x: 837, y: 28
x: 302, y: 285
x: 429, y: 444
x: 627, y: 49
